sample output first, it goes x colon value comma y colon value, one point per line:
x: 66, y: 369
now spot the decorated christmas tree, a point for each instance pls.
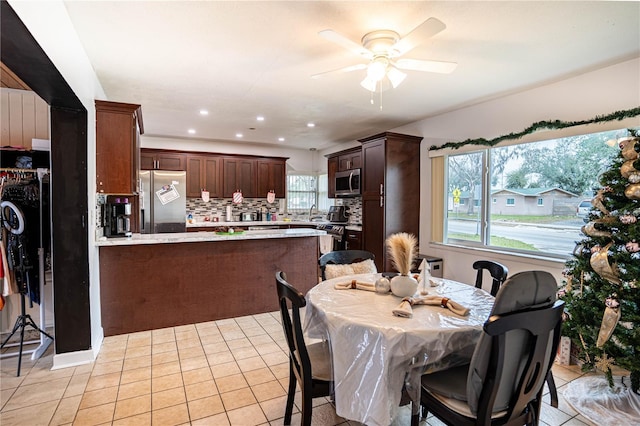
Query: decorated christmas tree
x: 602, y: 292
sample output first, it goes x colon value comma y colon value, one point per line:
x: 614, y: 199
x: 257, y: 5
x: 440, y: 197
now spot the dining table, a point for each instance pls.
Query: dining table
x: 376, y: 354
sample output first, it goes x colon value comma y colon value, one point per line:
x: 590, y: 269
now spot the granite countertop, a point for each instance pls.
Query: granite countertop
x: 251, y: 223
x: 194, y: 237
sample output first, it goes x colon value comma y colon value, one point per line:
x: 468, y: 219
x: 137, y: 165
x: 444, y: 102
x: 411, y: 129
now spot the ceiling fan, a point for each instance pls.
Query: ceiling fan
x: 383, y: 48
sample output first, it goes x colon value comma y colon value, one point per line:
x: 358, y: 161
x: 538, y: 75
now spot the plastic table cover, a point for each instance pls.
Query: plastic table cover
x: 374, y: 352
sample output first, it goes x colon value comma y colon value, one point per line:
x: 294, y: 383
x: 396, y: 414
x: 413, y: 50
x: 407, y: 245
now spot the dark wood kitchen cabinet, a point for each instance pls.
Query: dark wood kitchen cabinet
x: 271, y: 176
x: 390, y: 191
x: 350, y: 159
x: 239, y: 173
x: 162, y: 160
x: 332, y: 168
x: 204, y: 172
x: 118, y: 130
x: 353, y: 239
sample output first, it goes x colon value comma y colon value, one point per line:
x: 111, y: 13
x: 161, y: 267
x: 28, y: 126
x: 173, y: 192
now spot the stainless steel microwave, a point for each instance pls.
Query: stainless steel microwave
x: 348, y: 183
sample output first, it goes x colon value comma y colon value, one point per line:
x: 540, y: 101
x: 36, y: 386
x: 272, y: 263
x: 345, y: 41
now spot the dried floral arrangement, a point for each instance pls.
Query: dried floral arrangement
x: 402, y: 248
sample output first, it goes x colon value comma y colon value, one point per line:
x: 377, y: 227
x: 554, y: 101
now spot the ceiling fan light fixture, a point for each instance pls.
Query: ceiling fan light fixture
x: 377, y: 68
x: 395, y: 76
x: 369, y: 84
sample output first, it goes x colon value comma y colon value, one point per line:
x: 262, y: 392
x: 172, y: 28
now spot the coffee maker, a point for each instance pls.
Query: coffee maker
x: 116, y: 217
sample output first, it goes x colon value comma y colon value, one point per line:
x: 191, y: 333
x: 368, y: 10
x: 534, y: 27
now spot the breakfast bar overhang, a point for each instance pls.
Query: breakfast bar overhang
x: 165, y: 280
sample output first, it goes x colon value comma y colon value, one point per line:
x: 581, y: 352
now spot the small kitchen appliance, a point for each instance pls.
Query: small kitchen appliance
x: 338, y: 214
x: 116, y: 216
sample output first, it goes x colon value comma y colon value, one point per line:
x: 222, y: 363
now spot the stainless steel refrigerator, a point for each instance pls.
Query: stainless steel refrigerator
x: 163, y: 201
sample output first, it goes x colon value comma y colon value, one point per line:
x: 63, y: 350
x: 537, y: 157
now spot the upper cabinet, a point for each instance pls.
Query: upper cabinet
x: 151, y: 159
x: 271, y: 176
x: 341, y: 161
x: 118, y: 130
x: 204, y: 172
x: 239, y: 173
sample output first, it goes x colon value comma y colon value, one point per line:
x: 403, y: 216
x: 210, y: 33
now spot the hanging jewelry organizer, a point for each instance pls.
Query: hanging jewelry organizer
x: 19, y: 192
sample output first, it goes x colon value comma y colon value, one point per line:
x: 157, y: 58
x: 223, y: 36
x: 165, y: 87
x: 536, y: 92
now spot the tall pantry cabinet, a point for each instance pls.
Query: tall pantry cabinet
x: 390, y: 191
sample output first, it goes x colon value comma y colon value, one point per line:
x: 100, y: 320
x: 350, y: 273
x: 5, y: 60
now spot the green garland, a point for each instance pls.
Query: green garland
x: 541, y: 125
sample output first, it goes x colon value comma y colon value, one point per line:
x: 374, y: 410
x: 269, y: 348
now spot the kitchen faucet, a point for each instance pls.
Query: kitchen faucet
x: 310, y: 210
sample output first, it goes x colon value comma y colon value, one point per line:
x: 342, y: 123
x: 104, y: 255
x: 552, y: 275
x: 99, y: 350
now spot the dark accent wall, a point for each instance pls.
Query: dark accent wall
x: 24, y: 56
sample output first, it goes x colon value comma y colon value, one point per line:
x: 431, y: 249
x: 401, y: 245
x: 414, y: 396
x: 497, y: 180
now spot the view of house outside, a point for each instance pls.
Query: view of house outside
x: 530, y: 198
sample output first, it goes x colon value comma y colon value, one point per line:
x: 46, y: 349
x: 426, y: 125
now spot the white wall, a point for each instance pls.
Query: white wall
x: 49, y: 24
x: 582, y: 97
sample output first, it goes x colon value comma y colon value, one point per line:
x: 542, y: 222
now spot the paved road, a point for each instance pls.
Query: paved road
x: 558, y: 238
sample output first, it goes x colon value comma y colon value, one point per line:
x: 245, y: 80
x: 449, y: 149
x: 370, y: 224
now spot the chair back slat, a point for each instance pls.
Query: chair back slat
x: 497, y: 271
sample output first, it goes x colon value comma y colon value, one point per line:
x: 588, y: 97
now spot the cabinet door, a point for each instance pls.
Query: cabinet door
x: 373, y: 201
x: 147, y: 161
x: 350, y: 160
x: 239, y: 173
x: 354, y: 240
x: 194, y: 176
x: 332, y: 168
x: 271, y: 177
x: 117, y: 148
x: 170, y: 161
x: 213, y: 175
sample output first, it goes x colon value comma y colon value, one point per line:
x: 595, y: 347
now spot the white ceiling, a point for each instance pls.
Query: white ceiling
x: 241, y: 59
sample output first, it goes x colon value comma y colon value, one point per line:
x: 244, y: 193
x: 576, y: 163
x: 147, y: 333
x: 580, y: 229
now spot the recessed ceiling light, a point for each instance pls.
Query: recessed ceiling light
x: 192, y: 131
x: 204, y: 112
x: 280, y: 139
x: 311, y: 125
x: 260, y: 118
x: 239, y: 135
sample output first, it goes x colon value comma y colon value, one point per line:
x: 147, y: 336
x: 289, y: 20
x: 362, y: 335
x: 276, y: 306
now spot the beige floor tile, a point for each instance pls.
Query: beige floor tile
x: 247, y: 416
x: 137, y: 351
x: 168, y: 398
x: 134, y: 389
x: 9, y: 380
x: 158, y: 348
x: 274, y: 408
x: 243, y: 353
x: 193, y: 342
x: 143, y: 419
x: 135, y: 375
x: 99, y: 397
x: 132, y: 406
x: 192, y: 352
x: 83, y: 369
x: 194, y: 363
x: 201, y: 390
x: 275, y: 358
x: 66, y: 411
x: 35, y: 394
x: 280, y: 370
x: 95, y: 415
x: 102, y: 368
x: 552, y: 416
x: 77, y: 385
x: 32, y: 415
x: 174, y: 415
x: 163, y: 338
x: 187, y: 335
x: 237, y: 398
x: 169, y: 381
x: 137, y: 362
x: 142, y: 338
x: 197, y: 375
x: 261, y: 340
x: 104, y: 381
x: 165, y: 369
x: 212, y: 338
x: 249, y: 364
x: 5, y: 394
x: 40, y: 375
x: 325, y: 415
x: 205, y: 407
x: 217, y: 420
x: 110, y: 355
x: 262, y: 375
x: 254, y: 331
x: 226, y: 369
x: 239, y: 343
x: 220, y: 358
x: 232, y: 335
x: 269, y: 390
x: 165, y: 357
x: 231, y: 383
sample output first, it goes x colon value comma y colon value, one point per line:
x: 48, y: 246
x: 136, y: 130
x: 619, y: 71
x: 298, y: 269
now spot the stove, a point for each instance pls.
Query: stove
x: 336, y: 230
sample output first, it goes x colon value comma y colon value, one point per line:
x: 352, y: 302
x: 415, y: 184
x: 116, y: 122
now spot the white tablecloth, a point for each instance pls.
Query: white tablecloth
x: 372, y: 349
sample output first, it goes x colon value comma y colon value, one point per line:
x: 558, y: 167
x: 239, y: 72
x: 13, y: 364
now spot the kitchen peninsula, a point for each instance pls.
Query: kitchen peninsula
x: 155, y: 281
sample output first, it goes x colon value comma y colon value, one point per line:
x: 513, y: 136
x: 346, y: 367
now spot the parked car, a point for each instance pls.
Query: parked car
x: 583, y: 209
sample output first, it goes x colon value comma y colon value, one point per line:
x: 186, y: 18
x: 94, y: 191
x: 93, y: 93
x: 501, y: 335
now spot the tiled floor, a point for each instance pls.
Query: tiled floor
x: 228, y: 372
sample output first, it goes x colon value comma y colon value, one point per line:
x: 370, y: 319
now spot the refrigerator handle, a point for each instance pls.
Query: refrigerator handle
x: 142, y: 221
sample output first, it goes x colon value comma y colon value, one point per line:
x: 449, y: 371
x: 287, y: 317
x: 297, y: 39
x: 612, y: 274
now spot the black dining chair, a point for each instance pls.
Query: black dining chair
x: 497, y: 270
x: 342, y: 257
x: 503, y: 384
x: 309, y: 365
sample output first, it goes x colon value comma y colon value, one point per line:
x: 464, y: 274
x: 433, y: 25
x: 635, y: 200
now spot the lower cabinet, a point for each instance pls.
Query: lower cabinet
x: 353, y: 240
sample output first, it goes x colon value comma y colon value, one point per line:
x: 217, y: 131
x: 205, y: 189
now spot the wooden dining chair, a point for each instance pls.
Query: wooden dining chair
x: 309, y: 365
x: 342, y: 257
x: 504, y: 381
x: 497, y: 270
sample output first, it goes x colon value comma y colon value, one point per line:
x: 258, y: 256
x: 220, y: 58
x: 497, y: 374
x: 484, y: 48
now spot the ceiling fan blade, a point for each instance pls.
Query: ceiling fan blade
x: 341, y: 70
x: 419, y: 34
x: 345, y: 42
x: 428, y: 66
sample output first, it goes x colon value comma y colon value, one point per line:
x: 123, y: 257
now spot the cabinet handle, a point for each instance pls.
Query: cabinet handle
x: 381, y: 201
x: 382, y: 189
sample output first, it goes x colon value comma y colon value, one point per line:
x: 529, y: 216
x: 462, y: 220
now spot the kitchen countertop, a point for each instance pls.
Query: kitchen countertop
x: 193, y: 237
x: 349, y: 226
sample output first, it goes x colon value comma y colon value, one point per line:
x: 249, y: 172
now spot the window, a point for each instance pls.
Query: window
x: 305, y: 191
x: 529, y: 185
